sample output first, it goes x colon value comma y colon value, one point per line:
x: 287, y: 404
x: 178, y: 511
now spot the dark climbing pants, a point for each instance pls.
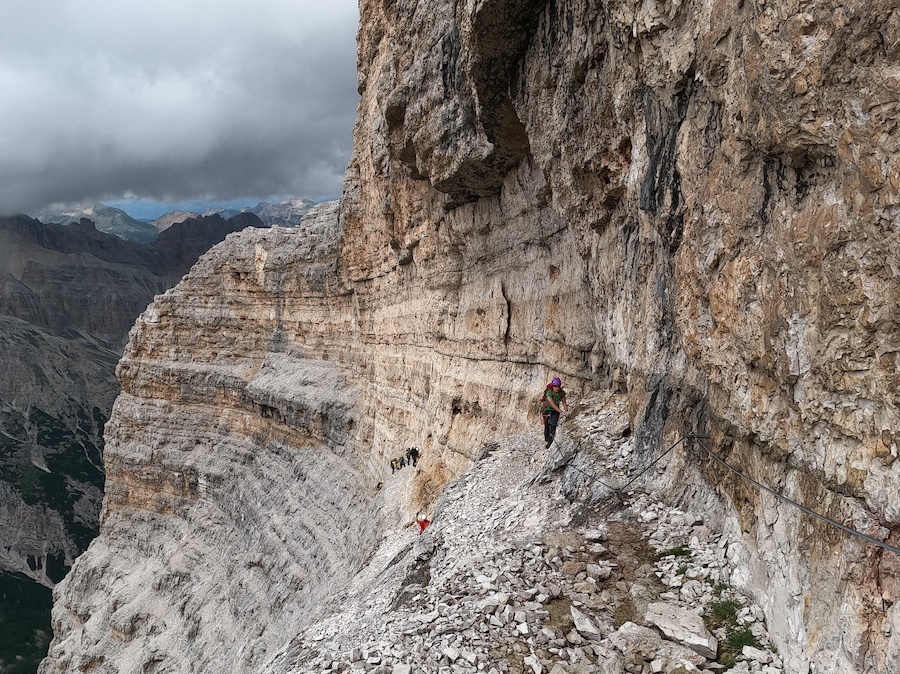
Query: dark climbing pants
x: 551, y: 421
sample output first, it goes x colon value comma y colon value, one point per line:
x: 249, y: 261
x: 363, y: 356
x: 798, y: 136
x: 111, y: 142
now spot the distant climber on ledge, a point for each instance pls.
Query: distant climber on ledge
x: 554, y: 405
x: 420, y: 520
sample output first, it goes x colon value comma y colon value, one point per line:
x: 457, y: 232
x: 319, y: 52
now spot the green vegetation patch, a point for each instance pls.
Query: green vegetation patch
x: 24, y: 624
x: 677, y: 551
x: 74, y: 459
x: 735, y: 641
x: 51, y: 432
x: 28, y: 480
x: 723, y: 614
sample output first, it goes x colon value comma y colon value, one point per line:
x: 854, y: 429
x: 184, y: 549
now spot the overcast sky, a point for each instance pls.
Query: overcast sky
x: 174, y: 99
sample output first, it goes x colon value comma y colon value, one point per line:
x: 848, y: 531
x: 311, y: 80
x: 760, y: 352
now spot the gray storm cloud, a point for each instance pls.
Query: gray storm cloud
x: 174, y: 100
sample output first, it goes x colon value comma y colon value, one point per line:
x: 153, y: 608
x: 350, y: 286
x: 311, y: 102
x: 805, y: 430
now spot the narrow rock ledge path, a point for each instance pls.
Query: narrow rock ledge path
x: 514, y: 577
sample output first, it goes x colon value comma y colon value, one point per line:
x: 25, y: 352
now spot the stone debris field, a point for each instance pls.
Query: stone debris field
x: 514, y: 577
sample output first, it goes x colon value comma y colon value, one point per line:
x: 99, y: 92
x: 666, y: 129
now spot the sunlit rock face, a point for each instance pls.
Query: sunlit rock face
x: 694, y: 204
x: 708, y: 205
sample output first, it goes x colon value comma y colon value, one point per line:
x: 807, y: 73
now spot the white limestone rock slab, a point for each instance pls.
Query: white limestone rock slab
x: 682, y: 626
x: 632, y: 639
x: 585, y: 626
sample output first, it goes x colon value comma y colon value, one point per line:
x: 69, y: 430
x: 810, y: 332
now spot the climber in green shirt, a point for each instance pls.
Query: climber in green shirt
x: 554, y: 405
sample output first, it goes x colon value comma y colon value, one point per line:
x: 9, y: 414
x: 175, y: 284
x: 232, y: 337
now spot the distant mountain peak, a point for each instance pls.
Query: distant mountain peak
x: 163, y: 222
x: 107, y: 219
x: 115, y: 221
x: 285, y: 213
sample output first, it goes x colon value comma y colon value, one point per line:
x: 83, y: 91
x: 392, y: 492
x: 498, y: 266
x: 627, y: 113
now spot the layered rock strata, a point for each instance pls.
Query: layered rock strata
x: 692, y: 204
x: 713, y: 190
x: 232, y: 439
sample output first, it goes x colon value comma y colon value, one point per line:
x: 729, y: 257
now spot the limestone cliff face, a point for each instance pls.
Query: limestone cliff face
x: 236, y: 495
x: 694, y: 204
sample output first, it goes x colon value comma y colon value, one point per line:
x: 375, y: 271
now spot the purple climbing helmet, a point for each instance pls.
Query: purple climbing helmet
x: 556, y: 382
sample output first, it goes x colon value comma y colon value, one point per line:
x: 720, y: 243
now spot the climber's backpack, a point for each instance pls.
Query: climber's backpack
x: 541, y: 404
